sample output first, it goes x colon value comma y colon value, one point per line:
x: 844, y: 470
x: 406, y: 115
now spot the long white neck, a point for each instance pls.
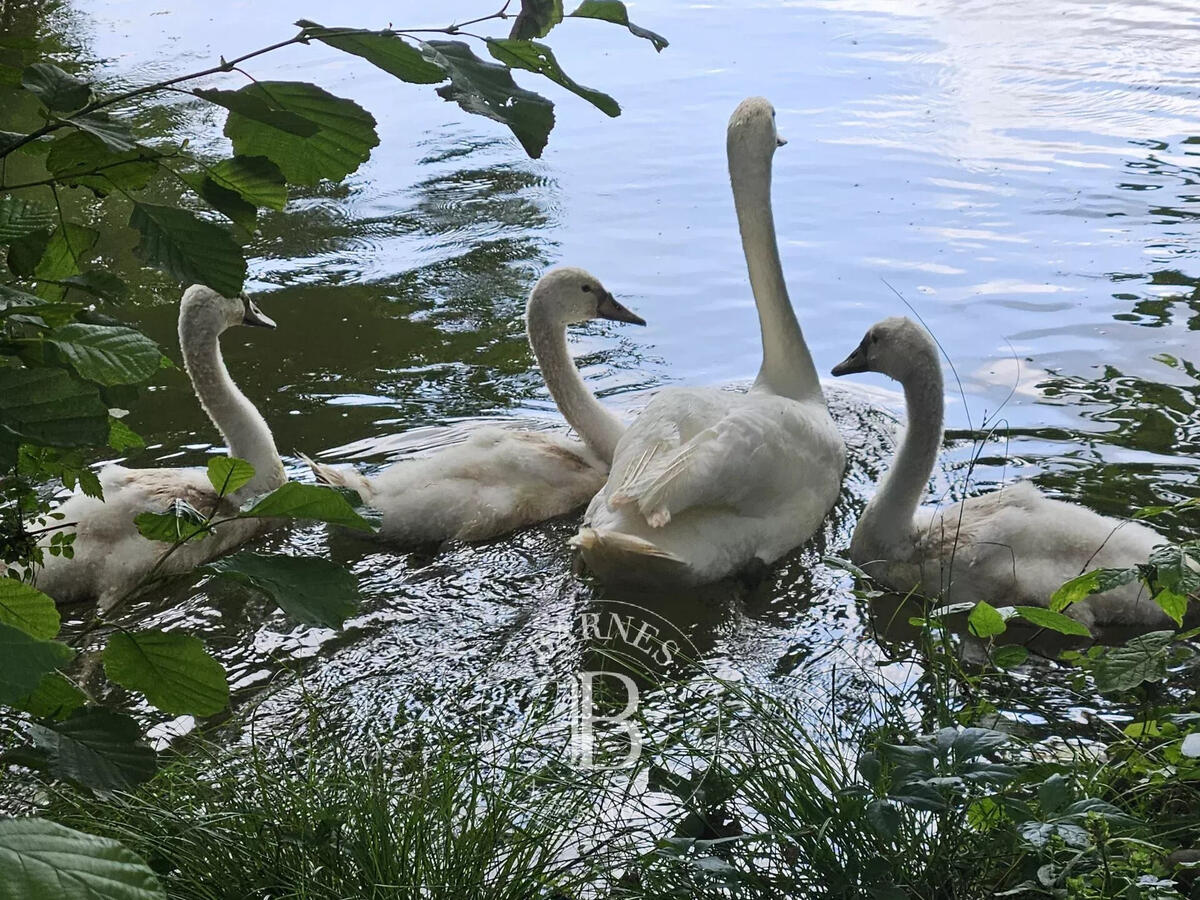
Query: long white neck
x: 787, y: 367
x: 598, y: 428
x: 888, y: 519
x: 244, y: 429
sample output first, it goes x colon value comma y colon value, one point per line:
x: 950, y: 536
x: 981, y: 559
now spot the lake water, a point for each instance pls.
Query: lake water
x: 1024, y: 174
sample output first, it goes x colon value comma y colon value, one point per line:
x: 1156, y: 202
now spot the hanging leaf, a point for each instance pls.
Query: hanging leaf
x: 1009, y: 656
x: 614, y: 11
x: 311, y: 590
x: 296, y: 500
x: 99, y: 283
x: 536, y: 18
x: 255, y: 178
x: 25, y: 607
x: 173, y: 670
x: 67, y: 247
x: 121, y: 437
x: 188, y: 249
x: 80, y: 159
x: 1142, y: 659
x: 55, y: 697
x: 19, y: 217
x: 26, y: 661
x: 180, y: 523
x: 115, y: 133
x: 1045, y: 618
x: 261, y: 109
x: 985, y: 621
x: 42, y: 860
x: 106, y: 354
x: 56, y: 89
x: 49, y: 407
x: 486, y: 89
x: 535, y: 57
x: 228, y: 474
x: 1095, y: 582
x: 26, y: 252
x: 342, y: 143
x: 1173, y: 604
x: 384, y: 50
x: 97, y: 748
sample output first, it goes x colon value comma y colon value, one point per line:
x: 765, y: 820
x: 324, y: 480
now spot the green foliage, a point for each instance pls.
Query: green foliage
x: 1047, y: 618
x: 985, y: 620
x: 96, y: 748
x: 614, y: 11
x: 26, y: 660
x: 28, y: 609
x: 46, y: 861
x: 315, y: 502
x: 228, y: 474
x: 173, y: 671
x: 309, y: 589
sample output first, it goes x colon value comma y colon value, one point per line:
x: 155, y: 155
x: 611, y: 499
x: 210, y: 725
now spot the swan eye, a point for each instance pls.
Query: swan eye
x: 587, y: 288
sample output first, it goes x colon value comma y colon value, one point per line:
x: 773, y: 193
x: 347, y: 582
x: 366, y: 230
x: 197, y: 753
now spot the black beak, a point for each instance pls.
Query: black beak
x: 255, y: 316
x: 855, y: 362
x: 780, y: 141
x: 607, y: 307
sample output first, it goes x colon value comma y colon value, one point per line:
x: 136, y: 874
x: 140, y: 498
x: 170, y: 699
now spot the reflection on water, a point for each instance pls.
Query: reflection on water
x: 1030, y: 190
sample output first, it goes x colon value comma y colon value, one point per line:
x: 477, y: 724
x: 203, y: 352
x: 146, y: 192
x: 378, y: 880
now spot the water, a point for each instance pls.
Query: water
x: 1023, y: 174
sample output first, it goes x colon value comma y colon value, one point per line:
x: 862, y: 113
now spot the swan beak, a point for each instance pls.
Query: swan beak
x: 608, y: 308
x: 780, y: 141
x: 854, y: 363
x: 255, y: 316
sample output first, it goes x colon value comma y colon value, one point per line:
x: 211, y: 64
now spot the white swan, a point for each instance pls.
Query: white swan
x: 111, y: 557
x: 500, y: 479
x: 1010, y: 547
x: 707, y: 482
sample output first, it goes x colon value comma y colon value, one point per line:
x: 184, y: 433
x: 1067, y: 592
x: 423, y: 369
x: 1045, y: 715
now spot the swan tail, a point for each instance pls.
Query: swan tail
x: 342, y: 476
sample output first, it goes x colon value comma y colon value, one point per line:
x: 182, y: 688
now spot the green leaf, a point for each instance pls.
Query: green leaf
x: 486, y: 89
x: 1045, y: 618
x: 261, y: 109
x: 1149, y: 512
x: 536, y: 18
x: 55, y: 697
x: 985, y: 621
x: 1009, y: 656
x: 26, y: 252
x: 189, y: 249
x: 49, y: 407
x: 311, y: 590
x: 81, y: 159
x: 55, y: 88
x: 106, y: 354
x: 1173, y: 604
x: 97, y: 748
x: 26, y: 660
x: 228, y: 474
x: 255, y: 178
x: 19, y: 217
x: 884, y: 818
x: 228, y: 203
x: 25, y: 607
x: 115, y: 133
x: 1142, y: 659
x: 99, y: 283
x: 180, y: 523
x: 42, y: 860
x: 11, y: 299
x: 172, y: 669
x: 382, y: 49
x: 121, y: 437
x: 535, y: 57
x: 296, y: 500
x: 342, y: 143
x: 1095, y: 582
x: 67, y: 245
x: 614, y: 11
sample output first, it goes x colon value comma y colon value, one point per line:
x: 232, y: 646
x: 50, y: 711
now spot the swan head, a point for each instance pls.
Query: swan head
x: 569, y: 296
x: 896, y: 347
x: 752, y: 128
x: 204, y: 307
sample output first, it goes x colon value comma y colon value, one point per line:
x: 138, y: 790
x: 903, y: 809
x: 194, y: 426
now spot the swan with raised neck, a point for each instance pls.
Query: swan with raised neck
x: 204, y: 315
x: 1013, y: 546
x: 501, y: 479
